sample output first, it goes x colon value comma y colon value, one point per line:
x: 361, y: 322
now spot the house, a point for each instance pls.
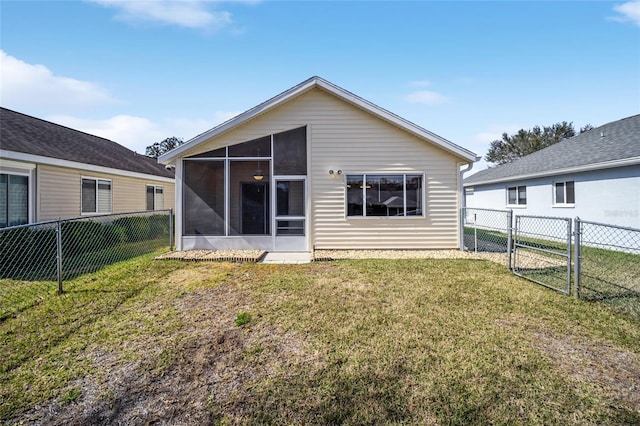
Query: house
x: 317, y: 167
x: 48, y: 171
x: 594, y: 175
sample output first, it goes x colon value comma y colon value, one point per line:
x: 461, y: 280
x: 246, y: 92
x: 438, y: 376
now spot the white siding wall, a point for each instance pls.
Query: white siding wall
x: 343, y: 137
x: 607, y: 196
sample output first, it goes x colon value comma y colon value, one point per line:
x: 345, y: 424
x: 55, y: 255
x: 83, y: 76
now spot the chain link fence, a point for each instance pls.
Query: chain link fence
x: 598, y: 262
x: 35, y: 259
x: 542, y: 251
x: 608, y: 266
x: 486, y: 230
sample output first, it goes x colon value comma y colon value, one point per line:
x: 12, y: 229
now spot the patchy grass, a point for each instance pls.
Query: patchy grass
x: 352, y: 342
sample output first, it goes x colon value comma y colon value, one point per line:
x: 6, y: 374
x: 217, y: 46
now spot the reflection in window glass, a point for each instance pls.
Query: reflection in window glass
x: 14, y: 200
x: 384, y: 195
x: 354, y: 195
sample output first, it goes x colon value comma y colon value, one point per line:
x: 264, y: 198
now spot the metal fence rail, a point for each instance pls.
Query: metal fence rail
x: 542, y: 251
x: 35, y: 259
x: 486, y: 230
x: 608, y: 265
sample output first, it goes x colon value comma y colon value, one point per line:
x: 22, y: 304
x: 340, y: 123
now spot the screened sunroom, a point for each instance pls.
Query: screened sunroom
x: 248, y: 195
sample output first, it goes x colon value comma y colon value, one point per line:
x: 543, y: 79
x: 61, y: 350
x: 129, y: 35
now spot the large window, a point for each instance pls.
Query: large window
x: 564, y: 193
x: 394, y: 195
x: 517, y: 195
x: 14, y: 200
x: 96, y: 196
x: 155, y: 197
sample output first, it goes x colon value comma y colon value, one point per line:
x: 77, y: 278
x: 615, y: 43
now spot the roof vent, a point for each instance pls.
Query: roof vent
x: 602, y: 134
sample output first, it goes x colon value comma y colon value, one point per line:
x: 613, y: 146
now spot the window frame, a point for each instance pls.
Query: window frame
x: 404, y: 175
x: 155, y: 196
x: 564, y: 193
x: 28, y: 175
x: 517, y: 203
x: 97, y: 200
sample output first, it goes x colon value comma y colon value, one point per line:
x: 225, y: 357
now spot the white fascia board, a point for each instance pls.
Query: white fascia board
x: 38, y: 159
x: 577, y: 169
x: 337, y: 91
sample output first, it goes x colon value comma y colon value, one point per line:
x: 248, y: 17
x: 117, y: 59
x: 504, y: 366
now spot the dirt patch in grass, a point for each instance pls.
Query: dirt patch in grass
x: 191, y: 378
x: 598, y: 363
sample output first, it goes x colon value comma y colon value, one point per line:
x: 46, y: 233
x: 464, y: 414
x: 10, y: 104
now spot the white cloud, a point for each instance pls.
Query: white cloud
x: 420, y: 83
x: 26, y: 86
x: 185, y: 13
x: 137, y: 133
x: 629, y: 11
x: 426, y: 97
x: 494, y: 132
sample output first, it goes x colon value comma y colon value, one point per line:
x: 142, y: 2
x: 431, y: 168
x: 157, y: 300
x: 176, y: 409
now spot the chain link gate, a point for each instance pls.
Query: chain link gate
x: 486, y: 230
x: 542, y: 251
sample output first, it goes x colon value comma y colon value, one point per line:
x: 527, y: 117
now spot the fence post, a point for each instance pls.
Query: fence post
x: 170, y: 229
x: 569, y: 254
x: 577, y: 257
x: 59, y: 254
x: 509, y: 237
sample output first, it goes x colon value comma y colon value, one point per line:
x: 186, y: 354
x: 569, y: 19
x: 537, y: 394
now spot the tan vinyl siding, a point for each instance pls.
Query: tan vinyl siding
x: 59, y: 192
x: 344, y: 137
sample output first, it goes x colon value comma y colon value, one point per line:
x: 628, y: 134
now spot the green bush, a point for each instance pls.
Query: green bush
x: 137, y: 227
x: 27, y: 253
x: 78, y: 237
x: 243, y: 318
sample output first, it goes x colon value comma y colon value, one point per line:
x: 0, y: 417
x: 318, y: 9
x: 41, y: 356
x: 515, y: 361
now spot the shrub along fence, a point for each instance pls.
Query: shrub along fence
x: 34, y: 257
x: 592, y: 261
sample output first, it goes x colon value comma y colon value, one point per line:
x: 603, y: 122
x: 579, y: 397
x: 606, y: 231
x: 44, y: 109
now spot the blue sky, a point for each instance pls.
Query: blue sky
x: 139, y: 71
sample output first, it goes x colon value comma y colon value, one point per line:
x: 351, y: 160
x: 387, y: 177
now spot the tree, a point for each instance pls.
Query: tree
x: 159, y: 148
x: 524, y: 142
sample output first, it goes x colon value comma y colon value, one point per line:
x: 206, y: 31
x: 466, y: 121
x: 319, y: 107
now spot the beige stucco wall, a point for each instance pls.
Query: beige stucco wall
x: 59, y: 192
x: 344, y: 137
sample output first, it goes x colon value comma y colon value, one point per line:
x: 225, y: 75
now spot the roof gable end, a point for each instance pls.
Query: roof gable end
x: 307, y: 85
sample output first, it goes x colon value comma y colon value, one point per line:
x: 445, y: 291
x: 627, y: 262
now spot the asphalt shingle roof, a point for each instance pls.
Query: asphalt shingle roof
x: 613, y: 141
x: 30, y: 135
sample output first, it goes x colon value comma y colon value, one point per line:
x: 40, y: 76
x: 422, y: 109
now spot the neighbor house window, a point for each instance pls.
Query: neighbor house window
x: 14, y: 200
x: 155, y: 197
x: 96, y: 195
x: 564, y: 192
x: 517, y: 195
x: 392, y: 195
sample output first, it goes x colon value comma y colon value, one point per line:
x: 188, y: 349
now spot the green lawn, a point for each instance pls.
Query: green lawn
x: 345, y: 342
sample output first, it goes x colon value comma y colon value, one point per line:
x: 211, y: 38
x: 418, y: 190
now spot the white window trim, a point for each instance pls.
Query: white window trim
x: 97, y: 179
x: 517, y: 205
x: 404, y: 174
x: 30, y: 188
x: 155, y: 199
x: 564, y: 205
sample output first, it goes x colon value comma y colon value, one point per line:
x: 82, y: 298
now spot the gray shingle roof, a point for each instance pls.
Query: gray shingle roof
x: 30, y: 135
x: 618, y: 140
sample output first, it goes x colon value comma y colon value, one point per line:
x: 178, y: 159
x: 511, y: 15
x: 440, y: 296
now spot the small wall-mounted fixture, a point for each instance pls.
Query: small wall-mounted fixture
x: 334, y: 173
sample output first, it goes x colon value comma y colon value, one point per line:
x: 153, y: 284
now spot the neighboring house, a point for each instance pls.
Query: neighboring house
x: 48, y: 171
x: 318, y: 167
x: 594, y: 175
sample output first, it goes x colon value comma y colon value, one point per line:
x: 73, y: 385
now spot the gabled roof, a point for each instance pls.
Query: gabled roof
x: 317, y: 82
x: 614, y: 144
x: 20, y: 133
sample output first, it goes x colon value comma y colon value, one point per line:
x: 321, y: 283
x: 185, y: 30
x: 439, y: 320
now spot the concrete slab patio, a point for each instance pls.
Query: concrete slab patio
x: 294, y: 258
